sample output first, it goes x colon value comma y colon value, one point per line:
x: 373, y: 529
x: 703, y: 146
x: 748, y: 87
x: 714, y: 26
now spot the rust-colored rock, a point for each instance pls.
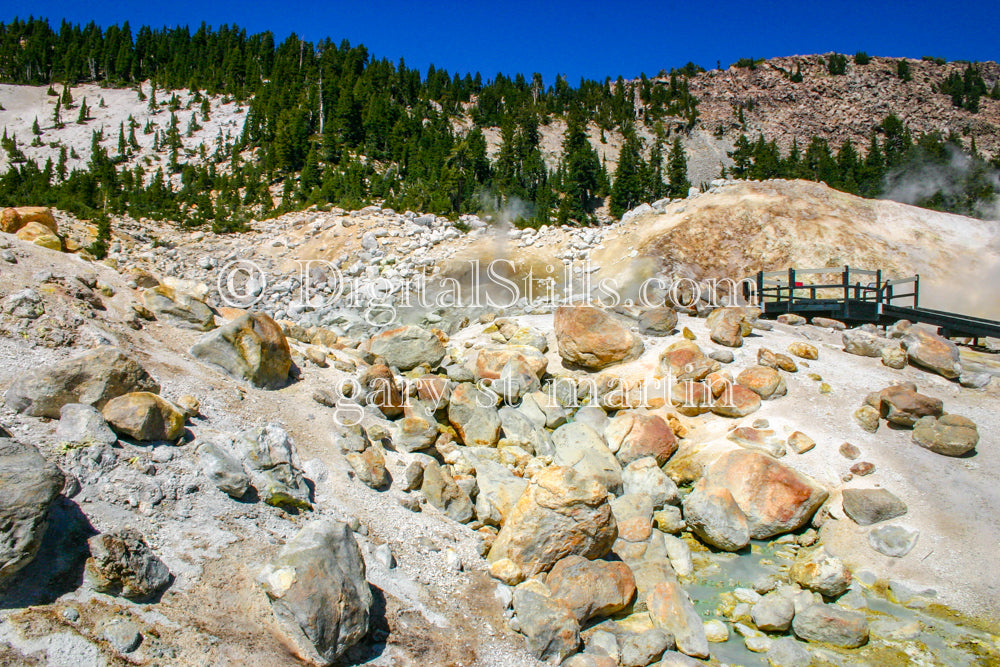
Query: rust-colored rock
x: 636, y: 435
x: 736, y: 402
x: 560, y: 514
x: 764, y: 381
x: 774, y: 498
x: 591, y: 588
x: 594, y: 339
x: 490, y: 361
x: 684, y: 360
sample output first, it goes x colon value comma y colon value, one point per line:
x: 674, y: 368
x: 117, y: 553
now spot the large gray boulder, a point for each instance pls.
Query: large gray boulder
x: 81, y: 424
x: 179, y: 309
x: 318, y: 591
x: 473, y: 413
x: 868, y: 506
x: 224, y: 471
x: 580, y: 447
x: 251, y: 347
x: 831, y: 624
x: 269, y: 454
x: 121, y: 563
x: 551, y: 628
x: 92, y: 378
x: 407, y: 347
x: 28, y: 486
x: 712, y: 514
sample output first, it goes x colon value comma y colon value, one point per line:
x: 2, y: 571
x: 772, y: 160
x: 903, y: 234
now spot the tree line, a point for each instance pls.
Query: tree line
x: 327, y: 124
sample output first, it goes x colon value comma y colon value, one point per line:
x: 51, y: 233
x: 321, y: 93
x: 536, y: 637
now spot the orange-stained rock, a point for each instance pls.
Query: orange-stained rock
x: 408, y: 347
x: 382, y: 390
x: 591, y: 588
x: 684, y: 360
x: 774, y: 498
x: 490, y: 361
x: 776, y: 360
x: 39, y: 234
x: 636, y: 435
x: 13, y: 219
x: 671, y: 609
x: 764, y: 381
x: 250, y: 348
x: 594, y: 339
x: 560, y: 514
x: 737, y: 401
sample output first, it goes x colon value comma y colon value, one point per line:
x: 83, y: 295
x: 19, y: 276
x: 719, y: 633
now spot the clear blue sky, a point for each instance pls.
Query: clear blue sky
x: 582, y: 38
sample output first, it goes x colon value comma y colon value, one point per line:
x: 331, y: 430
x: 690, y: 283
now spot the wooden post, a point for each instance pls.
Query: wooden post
x: 846, y: 278
x: 791, y: 287
x: 878, y: 286
x: 916, y: 291
x: 760, y: 288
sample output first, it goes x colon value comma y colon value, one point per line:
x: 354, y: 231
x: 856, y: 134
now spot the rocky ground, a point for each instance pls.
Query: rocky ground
x: 189, y: 482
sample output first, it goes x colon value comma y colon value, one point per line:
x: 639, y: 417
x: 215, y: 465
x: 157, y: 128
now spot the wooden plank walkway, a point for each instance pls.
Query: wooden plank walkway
x: 857, y: 296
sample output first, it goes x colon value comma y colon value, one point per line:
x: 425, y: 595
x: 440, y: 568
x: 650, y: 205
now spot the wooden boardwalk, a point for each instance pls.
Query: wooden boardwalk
x: 857, y: 296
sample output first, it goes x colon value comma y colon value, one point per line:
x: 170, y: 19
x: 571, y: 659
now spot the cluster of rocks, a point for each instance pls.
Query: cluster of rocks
x: 37, y: 225
x: 902, y: 406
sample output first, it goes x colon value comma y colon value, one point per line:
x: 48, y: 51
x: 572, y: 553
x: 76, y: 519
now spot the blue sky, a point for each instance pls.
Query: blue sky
x: 585, y: 37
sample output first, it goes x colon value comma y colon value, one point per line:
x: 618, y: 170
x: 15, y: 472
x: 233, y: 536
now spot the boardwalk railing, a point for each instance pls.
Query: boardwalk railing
x: 803, y: 286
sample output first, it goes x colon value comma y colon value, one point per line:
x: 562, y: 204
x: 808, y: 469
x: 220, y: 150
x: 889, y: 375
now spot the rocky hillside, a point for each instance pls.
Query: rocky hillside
x: 528, y: 483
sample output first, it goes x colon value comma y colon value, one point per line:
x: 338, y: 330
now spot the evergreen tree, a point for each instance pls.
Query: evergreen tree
x: 581, y: 178
x: 627, y: 190
x: 677, y: 170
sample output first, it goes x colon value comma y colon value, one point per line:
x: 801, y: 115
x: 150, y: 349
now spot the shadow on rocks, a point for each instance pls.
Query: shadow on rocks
x: 374, y: 642
x: 57, y: 568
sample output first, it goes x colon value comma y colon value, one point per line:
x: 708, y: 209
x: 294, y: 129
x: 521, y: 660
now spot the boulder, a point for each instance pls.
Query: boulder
x: 144, y: 416
x: 868, y: 506
x: 552, y: 630
x: 560, y: 514
x: 867, y: 418
x: 222, y: 469
x: 634, y: 516
x: 773, y: 613
x: 776, y: 360
x: 831, y: 624
x: 441, y: 491
x: 644, y: 476
x: 639, y: 649
x: 491, y: 360
x: 92, y: 378
x: 764, y: 381
x: 818, y: 571
x: 581, y: 448
x: 594, y: 339
x: 729, y: 325
x: 472, y: 412
x: 408, y: 347
x: 800, y: 443
x: 250, y: 348
x: 414, y: 433
x: 381, y: 390
x: 499, y: 490
x: 774, y: 498
x: 634, y: 435
x: 949, y: 435
x: 903, y: 406
x: 270, y: 457
x: 684, y: 360
x: 763, y: 440
x: 25, y: 304
x: 932, y: 352
x: 591, y: 588
x: 179, y: 308
x: 516, y: 379
x: 828, y: 323
x: 712, y: 514
x: 39, y: 234
x: 791, y: 319
x: 369, y: 467
x: 12, y: 219
x: 671, y: 609
x: 519, y: 430
x: 318, y: 592
x: 28, y: 486
x: 864, y: 341
x: 658, y: 321
x: 894, y: 356
x: 737, y: 401
x: 804, y: 350
x: 121, y: 563
x: 81, y: 424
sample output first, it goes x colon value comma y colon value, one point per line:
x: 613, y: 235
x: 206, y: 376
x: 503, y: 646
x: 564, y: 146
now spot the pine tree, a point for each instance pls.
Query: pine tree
x: 35, y: 130
x: 84, y: 113
x: 56, y: 117
x: 627, y: 190
x: 677, y: 170
x: 582, y: 172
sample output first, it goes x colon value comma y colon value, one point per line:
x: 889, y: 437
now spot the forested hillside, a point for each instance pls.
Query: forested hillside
x: 329, y: 123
